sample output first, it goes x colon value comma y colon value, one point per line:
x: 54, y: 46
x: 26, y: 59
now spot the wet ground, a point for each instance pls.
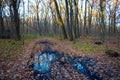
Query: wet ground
x: 52, y: 65
x: 50, y: 59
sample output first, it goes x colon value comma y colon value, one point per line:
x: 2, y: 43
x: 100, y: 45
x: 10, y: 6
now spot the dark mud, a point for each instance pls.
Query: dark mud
x: 52, y: 65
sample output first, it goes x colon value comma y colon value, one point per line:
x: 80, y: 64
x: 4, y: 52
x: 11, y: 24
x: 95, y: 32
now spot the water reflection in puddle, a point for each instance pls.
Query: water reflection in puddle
x: 43, y: 62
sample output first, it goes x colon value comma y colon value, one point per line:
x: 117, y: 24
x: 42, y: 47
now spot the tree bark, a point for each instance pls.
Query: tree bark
x: 16, y: 21
x: 23, y: 16
x: 67, y: 19
x: 85, y: 17
x: 71, y: 20
x: 1, y: 21
x: 90, y: 18
x: 60, y: 20
x: 103, y: 28
x: 76, y: 19
x: 115, y: 17
x: 38, y: 18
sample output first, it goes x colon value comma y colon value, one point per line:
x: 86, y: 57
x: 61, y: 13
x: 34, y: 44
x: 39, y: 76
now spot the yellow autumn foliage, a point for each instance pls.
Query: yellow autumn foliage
x: 2, y: 3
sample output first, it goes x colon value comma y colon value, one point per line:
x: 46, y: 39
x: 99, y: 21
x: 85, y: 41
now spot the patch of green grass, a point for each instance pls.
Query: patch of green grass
x: 99, y: 48
x: 87, y: 48
x: 119, y: 62
x: 10, y: 48
x: 31, y: 36
x: 9, y: 55
x: 83, y: 47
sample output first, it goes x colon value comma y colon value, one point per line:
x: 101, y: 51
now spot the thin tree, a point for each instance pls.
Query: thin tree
x: 72, y: 20
x: 15, y: 5
x: 76, y: 19
x: 85, y: 17
x: 68, y: 19
x: 60, y: 20
x: 1, y: 19
x: 114, y: 14
x: 102, y: 24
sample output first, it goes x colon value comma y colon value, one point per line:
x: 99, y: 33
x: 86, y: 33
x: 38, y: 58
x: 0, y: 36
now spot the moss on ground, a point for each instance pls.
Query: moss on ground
x: 88, y: 48
x: 10, y: 48
x: 111, y: 53
x: 30, y: 36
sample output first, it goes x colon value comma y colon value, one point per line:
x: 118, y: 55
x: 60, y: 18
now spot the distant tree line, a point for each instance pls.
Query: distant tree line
x: 68, y: 19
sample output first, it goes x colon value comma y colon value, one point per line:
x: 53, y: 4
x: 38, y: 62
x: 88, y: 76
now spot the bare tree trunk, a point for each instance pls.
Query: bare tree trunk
x: 38, y: 19
x: 80, y: 27
x: 16, y: 21
x: 60, y: 20
x: 109, y: 30
x: 67, y: 18
x: 115, y: 16
x: 85, y: 17
x: 1, y: 21
x: 114, y: 23
x: 28, y: 6
x: 76, y: 19
x: 103, y: 29
x: 12, y: 29
x: 90, y: 18
x: 23, y: 16
x: 71, y: 20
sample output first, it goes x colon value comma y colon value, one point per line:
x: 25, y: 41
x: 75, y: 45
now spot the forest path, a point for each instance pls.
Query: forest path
x: 105, y: 66
x: 21, y: 68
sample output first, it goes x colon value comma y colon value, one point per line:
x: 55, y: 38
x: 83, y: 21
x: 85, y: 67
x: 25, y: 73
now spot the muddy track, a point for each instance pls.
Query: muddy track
x: 22, y: 67
x: 99, y: 67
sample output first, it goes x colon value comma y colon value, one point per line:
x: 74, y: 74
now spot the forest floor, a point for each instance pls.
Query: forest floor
x: 16, y: 58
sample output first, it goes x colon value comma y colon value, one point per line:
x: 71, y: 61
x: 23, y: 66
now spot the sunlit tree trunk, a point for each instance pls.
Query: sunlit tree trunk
x: 103, y: 29
x: 38, y: 19
x: 27, y: 29
x: 115, y: 17
x: 109, y: 25
x: 12, y: 29
x: 53, y: 20
x: 85, y: 17
x: 80, y: 19
x: 60, y: 20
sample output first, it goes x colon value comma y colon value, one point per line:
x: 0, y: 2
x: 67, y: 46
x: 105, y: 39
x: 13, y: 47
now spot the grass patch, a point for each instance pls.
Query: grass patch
x: 88, y: 48
x: 83, y: 47
x: 31, y: 36
x: 119, y: 62
x: 10, y: 48
x: 36, y: 36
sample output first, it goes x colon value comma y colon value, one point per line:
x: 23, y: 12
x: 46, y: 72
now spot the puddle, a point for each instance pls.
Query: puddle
x: 44, y: 60
x: 57, y: 66
x: 46, y: 43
